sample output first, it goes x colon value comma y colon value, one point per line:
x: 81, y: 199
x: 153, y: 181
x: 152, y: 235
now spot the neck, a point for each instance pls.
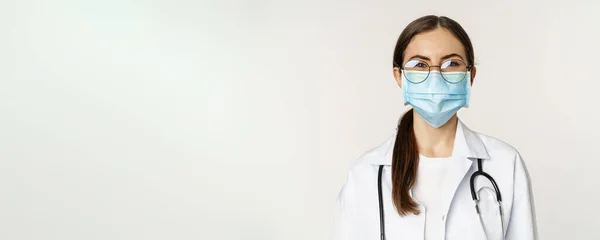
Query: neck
x: 435, y: 142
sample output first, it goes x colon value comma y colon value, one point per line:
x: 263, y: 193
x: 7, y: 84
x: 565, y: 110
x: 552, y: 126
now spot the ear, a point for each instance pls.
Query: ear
x: 398, y: 76
x: 473, y: 73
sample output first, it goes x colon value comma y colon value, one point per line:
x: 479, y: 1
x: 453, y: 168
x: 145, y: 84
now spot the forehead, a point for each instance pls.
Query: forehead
x: 434, y: 44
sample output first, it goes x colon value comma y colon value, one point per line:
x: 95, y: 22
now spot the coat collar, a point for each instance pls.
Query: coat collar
x: 467, y: 144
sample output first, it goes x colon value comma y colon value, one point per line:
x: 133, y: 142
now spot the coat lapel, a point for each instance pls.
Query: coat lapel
x: 453, y: 180
x: 467, y: 149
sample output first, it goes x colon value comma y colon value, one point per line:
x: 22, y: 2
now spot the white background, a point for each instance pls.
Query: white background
x: 239, y: 120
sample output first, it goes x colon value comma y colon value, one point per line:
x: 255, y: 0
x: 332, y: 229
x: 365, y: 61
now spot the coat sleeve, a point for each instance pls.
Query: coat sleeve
x: 338, y: 216
x: 522, y: 224
x: 345, y: 215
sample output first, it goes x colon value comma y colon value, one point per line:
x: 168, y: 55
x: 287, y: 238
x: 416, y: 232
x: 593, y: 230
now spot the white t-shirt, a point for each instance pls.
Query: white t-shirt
x: 428, y: 190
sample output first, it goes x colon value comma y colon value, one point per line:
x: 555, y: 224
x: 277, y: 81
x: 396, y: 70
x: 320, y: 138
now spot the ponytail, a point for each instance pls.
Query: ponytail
x: 405, y: 160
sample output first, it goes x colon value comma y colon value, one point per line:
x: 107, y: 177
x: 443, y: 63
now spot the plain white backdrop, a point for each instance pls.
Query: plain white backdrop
x: 172, y: 119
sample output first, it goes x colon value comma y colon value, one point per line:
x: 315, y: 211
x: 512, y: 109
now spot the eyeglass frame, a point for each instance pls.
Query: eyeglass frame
x: 469, y: 68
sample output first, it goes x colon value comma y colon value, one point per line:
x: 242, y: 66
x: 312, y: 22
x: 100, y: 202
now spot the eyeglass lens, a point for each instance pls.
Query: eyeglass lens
x: 452, y: 70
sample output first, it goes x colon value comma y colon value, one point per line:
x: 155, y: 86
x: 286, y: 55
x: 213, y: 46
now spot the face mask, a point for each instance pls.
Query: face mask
x: 436, y: 99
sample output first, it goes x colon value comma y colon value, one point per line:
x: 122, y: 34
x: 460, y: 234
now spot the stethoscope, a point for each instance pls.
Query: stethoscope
x: 474, y: 194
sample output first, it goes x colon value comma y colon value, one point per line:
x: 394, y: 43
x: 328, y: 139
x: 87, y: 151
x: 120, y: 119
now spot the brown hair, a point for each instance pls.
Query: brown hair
x: 405, y: 158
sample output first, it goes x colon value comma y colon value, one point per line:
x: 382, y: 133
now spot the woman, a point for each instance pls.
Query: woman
x: 417, y: 184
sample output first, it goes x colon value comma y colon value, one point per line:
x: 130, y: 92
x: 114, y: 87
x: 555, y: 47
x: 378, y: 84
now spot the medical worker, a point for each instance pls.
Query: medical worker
x: 435, y: 178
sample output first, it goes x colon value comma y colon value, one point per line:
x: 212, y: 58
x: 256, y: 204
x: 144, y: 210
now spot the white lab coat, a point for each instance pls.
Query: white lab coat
x: 357, y: 216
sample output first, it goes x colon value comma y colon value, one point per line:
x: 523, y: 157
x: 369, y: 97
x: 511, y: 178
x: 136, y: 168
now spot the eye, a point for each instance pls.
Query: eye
x: 415, y: 64
x: 453, y: 64
x: 421, y: 65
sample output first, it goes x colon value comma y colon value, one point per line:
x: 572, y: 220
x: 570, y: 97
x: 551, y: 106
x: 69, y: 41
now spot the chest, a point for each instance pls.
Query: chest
x: 452, y: 208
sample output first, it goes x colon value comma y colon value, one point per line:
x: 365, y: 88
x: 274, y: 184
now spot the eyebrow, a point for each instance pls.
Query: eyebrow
x: 443, y: 58
x: 453, y: 55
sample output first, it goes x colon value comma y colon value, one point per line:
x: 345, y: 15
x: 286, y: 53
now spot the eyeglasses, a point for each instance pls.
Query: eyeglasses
x: 452, y: 70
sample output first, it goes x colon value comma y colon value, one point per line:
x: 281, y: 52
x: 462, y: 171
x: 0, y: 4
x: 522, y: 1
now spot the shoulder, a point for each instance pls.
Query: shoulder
x: 363, y: 172
x: 502, y: 155
x: 497, y: 148
x: 375, y: 156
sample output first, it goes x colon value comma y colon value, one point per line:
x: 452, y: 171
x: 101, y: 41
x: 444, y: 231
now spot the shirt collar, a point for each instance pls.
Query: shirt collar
x: 467, y: 144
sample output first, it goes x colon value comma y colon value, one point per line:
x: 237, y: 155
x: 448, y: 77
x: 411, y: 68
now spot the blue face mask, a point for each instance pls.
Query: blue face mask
x: 436, y: 99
